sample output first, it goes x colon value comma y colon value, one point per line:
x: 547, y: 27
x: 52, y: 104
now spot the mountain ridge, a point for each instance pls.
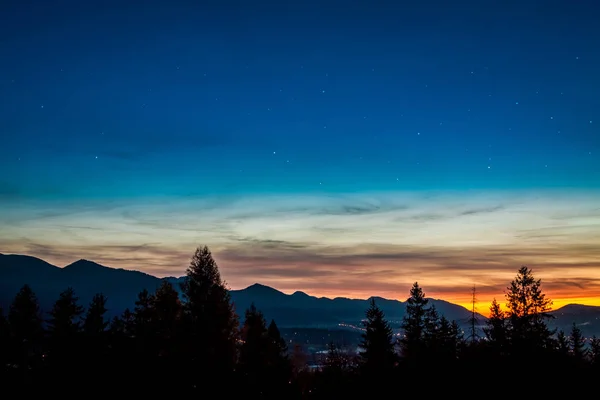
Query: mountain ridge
x: 298, y: 309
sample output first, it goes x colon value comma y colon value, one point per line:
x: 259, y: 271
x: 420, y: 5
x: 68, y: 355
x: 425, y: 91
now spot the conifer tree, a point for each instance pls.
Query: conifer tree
x: 279, y: 349
x: 25, y: 329
x: 594, y: 352
x: 496, y: 329
x: 64, y: 326
x: 211, y: 322
x: 24, y: 316
x: 94, y: 323
x: 577, y: 344
x: 562, y: 344
x: 255, y: 342
x: 167, y: 310
x: 143, y: 313
x: 527, y: 313
x: 414, y: 324
x: 65, y: 315
x: 4, y: 340
x: 377, y: 346
x: 96, y: 337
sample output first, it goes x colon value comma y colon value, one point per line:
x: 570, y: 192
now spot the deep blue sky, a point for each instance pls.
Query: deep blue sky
x: 298, y: 96
x: 250, y: 117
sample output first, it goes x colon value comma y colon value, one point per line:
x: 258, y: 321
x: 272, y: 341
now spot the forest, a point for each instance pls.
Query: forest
x: 197, y: 344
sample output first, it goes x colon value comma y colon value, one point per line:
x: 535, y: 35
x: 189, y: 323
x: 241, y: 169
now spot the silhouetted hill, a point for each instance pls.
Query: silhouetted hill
x: 299, y: 309
x: 587, y: 318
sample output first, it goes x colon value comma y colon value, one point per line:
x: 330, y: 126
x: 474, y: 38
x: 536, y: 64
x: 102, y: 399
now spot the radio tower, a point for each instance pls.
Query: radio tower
x: 473, y: 320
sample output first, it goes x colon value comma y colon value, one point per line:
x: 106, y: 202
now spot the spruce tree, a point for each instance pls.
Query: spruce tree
x: 414, y: 324
x: 577, y: 344
x: 211, y: 322
x: 255, y: 342
x: 65, y: 315
x: 527, y: 314
x: 167, y: 310
x: 64, y: 327
x: 24, y: 316
x: 562, y: 344
x: 594, y: 352
x: 143, y: 313
x: 279, y: 349
x: 95, y: 323
x: 25, y: 329
x: 377, y: 346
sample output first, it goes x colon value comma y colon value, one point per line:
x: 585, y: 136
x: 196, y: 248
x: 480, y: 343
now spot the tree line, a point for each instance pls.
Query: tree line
x: 195, y: 344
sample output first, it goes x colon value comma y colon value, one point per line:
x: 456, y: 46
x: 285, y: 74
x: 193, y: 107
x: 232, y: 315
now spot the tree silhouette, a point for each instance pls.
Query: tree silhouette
x: 595, y: 352
x: 94, y: 323
x: 496, y: 329
x: 142, y: 315
x: 527, y: 312
x: 563, y: 346
x: 253, y: 352
x: 211, y: 322
x: 24, y: 316
x: 377, y: 345
x: 4, y: 341
x: 96, y: 337
x: 577, y: 344
x: 166, y: 312
x: 278, y: 348
x: 413, y: 324
x: 64, y: 325
x: 65, y: 315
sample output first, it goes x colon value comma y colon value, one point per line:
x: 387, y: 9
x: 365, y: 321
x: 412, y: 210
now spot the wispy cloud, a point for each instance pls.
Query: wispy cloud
x: 353, y: 245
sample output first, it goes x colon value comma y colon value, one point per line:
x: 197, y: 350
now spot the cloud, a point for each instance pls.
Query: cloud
x: 347, y: 244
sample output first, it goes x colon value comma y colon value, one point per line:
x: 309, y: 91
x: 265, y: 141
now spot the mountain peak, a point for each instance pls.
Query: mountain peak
x: 300, y: 293
x: 262, y: 290
x: 84, y: 264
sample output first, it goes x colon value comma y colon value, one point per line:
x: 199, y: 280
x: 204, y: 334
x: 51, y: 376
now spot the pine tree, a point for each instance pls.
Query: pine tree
x: 414, y: 324
x: 24, y: 316
x: 278, y: 350
x: 96, y: 338
x: 562, y: 344
x: 94, y: 323
x: 577, y: 344
x: 594, y: 352
x: 64, y: 326
x: 211, y: 322
x: 255, y: 342
x: 143, y: 313
x: 377, y: 345
x: 527, y: 312
x: 65, y: 316
x: 167, y: 311
x: 4, y: 341
x: 496, y: 329
x: 25, y: 329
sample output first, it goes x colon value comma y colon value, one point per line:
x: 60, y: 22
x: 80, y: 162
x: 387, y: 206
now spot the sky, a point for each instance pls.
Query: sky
x: 341, y: 148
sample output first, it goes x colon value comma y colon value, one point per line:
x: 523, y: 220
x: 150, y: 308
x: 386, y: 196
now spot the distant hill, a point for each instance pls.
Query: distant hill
x: 288, y: 310
x: 587, y: 318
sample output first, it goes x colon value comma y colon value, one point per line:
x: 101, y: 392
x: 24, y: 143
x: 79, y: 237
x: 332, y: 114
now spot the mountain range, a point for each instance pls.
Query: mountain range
x: 297, y: 310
